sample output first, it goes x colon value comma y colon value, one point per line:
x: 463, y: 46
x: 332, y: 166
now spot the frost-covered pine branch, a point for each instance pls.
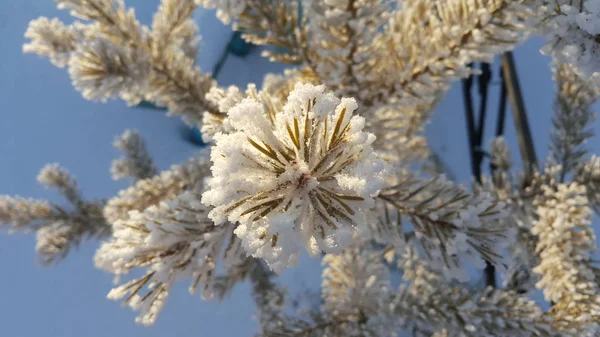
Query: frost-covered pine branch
x: 432, y: 53
x: 400, y: 139
x: 173, y: 27
x: 340, y: 34
x: 110, y: 54
x: 356, y: 294
x: 51, y: 38
x: 137, y: 163
x: 226, y: 9
x: 572, y: 31
x: 357, y: 290
x: 452, y: 226
x: 566, y: 242
x: 166, y: 185
x: 301, y: 181
x: 488, y: 313
x: 429, y: 303
x: 572, y: 118
x: 276, y: 23
x: 565, y: 239
x: 172, y: 241
x: 59, y: 229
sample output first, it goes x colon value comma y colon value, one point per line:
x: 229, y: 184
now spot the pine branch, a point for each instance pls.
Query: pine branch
x: 59, y: 230
x: 171, y: 241
x: 279, y: 24
x: 114, y: 56
x: 151, y: 191
x: 434, y: 53
x: 52, y: 39
x: 172, y: 26
x: 565, y: 247
x: 137, y: 163
x: 492, y: 313
x: 449, y: 223
x: 572, y: 119
x: 570, y: 28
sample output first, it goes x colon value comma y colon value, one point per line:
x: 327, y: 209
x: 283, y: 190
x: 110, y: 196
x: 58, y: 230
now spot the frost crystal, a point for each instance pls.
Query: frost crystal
x: 304, y: 178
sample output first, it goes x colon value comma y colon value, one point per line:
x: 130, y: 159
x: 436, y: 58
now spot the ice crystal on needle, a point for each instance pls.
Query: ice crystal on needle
x: 304, y: 178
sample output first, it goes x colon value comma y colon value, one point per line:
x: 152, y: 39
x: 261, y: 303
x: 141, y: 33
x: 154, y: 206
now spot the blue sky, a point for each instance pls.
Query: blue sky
x: 43, y: 119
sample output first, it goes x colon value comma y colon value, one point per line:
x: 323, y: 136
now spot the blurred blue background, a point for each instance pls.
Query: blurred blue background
x: 43, y: 119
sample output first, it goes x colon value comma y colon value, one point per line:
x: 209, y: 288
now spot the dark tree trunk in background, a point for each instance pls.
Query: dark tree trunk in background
x: 509, y: 87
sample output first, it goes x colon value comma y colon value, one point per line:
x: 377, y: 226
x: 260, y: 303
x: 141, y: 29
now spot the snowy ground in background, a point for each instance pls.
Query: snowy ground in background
x: 44, y: 120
